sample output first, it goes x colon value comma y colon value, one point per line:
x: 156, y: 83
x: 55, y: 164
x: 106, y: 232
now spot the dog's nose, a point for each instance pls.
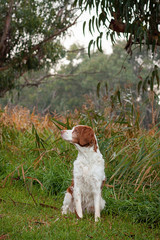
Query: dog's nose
x: 62, y: 132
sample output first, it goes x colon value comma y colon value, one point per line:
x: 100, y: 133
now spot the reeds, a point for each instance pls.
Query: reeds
x: 33, y: 154
x: 22, y: 119
x: 132, y: 154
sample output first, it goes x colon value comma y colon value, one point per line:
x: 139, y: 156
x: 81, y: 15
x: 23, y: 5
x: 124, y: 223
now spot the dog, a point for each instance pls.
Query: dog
x: 88, y: 174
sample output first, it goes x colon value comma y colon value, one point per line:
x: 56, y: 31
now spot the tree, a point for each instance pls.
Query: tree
x: 67, y: 89
x: 102, y: 82
x: 29, y: 36
x: 138, y: 21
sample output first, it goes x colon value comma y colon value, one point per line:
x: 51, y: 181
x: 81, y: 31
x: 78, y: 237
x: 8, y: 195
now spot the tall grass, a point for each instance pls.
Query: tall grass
x: 33, y: 154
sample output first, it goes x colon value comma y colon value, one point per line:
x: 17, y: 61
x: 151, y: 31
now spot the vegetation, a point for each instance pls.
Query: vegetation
x: 107, y: 81
x: 116, y: 95
x: 36, y: 168
x: 28, y: 221
x: 137, y: 21
x: 30, y: 34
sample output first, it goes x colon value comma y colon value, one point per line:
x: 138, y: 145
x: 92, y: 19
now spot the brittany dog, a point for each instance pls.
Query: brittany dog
x: 88, y: 174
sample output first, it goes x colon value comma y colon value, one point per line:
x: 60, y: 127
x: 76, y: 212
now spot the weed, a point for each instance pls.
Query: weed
x: 36, y: 165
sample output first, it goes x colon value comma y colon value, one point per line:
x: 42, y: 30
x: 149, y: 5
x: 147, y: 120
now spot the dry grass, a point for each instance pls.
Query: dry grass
x: 22, y: 119
x: 35, y: 157
x: 132, y: 153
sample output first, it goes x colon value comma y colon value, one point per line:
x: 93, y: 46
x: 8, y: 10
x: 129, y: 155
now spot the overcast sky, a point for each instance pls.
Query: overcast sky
x: 77, y: 36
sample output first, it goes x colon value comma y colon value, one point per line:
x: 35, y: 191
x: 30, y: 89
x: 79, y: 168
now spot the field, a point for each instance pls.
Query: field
x: 36, y: 168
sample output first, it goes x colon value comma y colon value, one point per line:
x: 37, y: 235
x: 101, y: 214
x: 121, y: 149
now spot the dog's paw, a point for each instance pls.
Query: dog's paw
x: 97, y: 219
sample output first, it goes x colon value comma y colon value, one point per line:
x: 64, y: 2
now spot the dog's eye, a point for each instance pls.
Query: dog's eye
x: 75, y: 130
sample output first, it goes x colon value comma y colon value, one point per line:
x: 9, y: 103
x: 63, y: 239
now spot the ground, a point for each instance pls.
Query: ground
x: 20, y: 218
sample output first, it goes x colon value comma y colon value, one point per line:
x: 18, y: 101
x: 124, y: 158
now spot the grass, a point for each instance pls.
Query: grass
x: 36, y: 168
x: 27, y: 221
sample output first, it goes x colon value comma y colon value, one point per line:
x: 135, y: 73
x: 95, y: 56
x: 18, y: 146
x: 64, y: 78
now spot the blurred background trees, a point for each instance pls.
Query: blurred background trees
x: 29, y: 37
x: 104, y: 81
x: 124, y: 81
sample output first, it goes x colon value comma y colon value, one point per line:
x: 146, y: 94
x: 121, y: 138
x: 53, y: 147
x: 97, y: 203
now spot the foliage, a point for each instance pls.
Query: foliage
x: 144, y: 208
x: 114, y: 83
x: 77, y: 78
x: 29, y: 37
x: 36, y: 158
x: 137, y: 21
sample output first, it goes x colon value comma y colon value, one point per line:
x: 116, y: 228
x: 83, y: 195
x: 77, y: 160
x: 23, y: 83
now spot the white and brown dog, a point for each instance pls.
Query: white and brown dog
x: 88, y: 173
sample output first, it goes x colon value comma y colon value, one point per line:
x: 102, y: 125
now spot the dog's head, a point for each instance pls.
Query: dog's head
x: 82, y: 135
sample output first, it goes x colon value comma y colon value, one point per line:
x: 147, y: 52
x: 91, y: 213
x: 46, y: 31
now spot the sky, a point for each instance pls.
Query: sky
x: 77, y: 36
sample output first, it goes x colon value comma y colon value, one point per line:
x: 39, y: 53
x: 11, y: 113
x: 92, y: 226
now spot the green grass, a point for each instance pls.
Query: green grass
x: 36, y: 168
x: 27, y: 221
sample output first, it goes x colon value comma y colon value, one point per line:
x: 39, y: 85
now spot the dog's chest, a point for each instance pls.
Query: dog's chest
x: 85, y: 174
x: 84, y: 178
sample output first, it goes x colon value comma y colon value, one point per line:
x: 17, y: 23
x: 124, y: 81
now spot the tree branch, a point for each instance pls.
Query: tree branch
x: 120, y: 27
x: 117, y: 26
x: 6, y: 29
x: 35, y: 47
x: 37, y: 82
x: 38, y: 46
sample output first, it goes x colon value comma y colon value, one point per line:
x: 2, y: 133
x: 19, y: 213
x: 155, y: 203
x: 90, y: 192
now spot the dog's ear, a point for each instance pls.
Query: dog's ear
x: 87, y: 138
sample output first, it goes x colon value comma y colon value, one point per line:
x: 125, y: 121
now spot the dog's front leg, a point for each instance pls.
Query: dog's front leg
x: 97, y: 198
x: 77, y: 200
